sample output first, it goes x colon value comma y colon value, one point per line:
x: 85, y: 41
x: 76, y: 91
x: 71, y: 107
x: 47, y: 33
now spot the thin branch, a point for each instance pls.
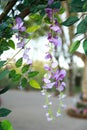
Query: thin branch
x: 24, y: 13
x: 7, y: 9
x: 81, y: 55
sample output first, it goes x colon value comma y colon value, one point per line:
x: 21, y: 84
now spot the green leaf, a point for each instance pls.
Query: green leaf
x: 41, y: 7
x: 2, y: 63
x: 33, y: 28
x: 4, y: 90
x: 12, y: 73
x: 70, y: 21
x: 25, y: 68
x: 1, y: 126
x: 4, y: 112
x: 85, y: 46
x: 82, y: 27
x: 32, y: 74
x: 24, y: 82
x: 55, y: 4
x: 19, y: 62
x: 34, y: 84
x: 6, y: 125
x: 74, y: 46
x: 61, y: 10
x: 3, y: 74
x: 11, y: 44
x: 77, y: 6
x: 35, y: 16
x: 16, y: 77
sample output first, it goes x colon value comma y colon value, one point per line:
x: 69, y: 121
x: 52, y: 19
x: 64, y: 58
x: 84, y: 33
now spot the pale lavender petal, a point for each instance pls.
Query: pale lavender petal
x: 62, y: 74
x: 18, y: 20
x: 50, y: 2
x: 45, y: 106
x: 62, y: 86
x: 58, y: 114
x: 15, y: 27
x: 56, y: 28
x: 49, y: 12
x: 20, y: 44
x: 47, y: 67
x: 54, y: 64
x: 22, y: 29
x: 49, y: 118
x: 27, y: 50
x: 56, y: 75
x: 61, y: 96
x: 46, y: 80
x: 63, y: 106
x: 50, y: 103
x: 47, y: 114
x: 56, y: 41
x: 48, y: 56
x: 49, y: 85
x: 29, y: 62
x: 25, y: 56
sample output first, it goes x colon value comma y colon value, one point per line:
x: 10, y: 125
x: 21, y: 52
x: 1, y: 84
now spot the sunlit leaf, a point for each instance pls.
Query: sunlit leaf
x: 6, y: 125
x: 85, y: 46
x: 33, y: 28
x: 34, y: 84
x: 74, y: 46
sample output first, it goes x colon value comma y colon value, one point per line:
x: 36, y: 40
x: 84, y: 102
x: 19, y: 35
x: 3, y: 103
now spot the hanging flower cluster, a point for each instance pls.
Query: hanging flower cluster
x: 22, y: 36
x: 54, y: 76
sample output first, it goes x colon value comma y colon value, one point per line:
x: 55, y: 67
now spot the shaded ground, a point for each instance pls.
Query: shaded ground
x: 28, y: 113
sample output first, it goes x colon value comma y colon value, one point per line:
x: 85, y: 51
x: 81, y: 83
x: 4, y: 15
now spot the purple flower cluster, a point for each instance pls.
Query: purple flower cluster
x: 54, y: 76
x: 19, y: 28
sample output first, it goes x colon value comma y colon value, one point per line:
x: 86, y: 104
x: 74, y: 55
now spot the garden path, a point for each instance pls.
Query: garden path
x: 28, y: 113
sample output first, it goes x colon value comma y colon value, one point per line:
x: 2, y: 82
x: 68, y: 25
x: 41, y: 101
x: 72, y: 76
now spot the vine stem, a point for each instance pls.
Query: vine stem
x: 16, y: 53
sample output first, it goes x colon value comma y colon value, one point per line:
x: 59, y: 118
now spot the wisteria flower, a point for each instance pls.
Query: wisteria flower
x: 59, y: 74
x: 25, y: 55
x: 58, y: 114
x: 49, y: 12
x: 46, y: 80
x: 21, y: 44
x: 61, y: 96
x: 50, y: 2
x: 55, y: 40
x: 19, y: 25
x: 47, y: 67
x: 63, y: 106
x: 49, y: 118
x: 48, y: 56
x: 29, y: 61
x: 55, y: 28
x: 49, y: 85
x: 62, y: 86
x: 54, y: 64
